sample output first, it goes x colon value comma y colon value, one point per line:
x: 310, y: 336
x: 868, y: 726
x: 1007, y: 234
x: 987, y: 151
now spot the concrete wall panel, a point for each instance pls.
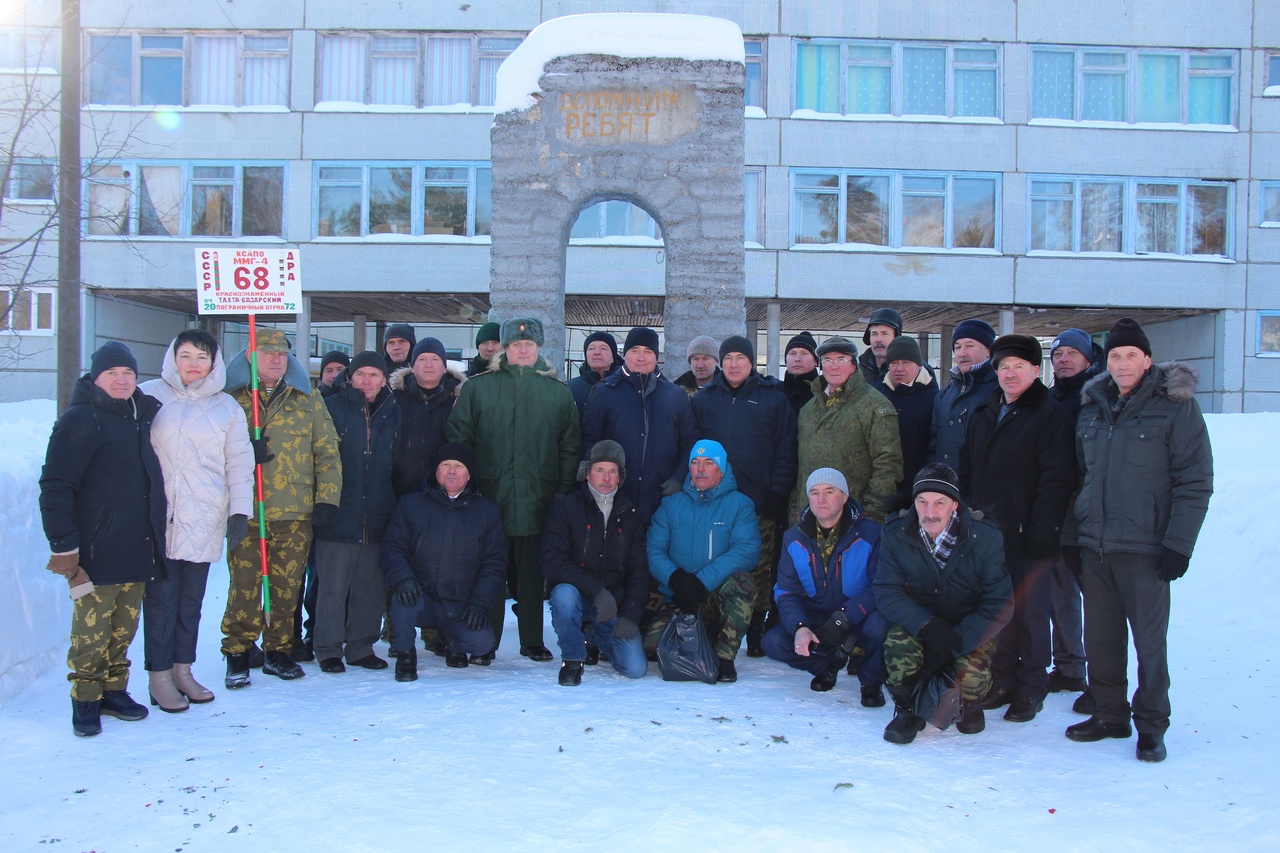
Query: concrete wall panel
x: 995, y: 20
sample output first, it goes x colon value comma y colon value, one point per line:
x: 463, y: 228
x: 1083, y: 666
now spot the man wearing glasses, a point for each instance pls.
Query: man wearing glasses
x: 851, y: 427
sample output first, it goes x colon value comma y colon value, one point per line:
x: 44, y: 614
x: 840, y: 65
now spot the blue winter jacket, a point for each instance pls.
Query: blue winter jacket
x: 711, y: 534
x: 652, y: 419
x: 951, y: 410
x: 805, y: 585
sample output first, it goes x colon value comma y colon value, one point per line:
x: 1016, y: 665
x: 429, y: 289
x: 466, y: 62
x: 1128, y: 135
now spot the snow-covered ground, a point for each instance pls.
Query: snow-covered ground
x: 500, y: 758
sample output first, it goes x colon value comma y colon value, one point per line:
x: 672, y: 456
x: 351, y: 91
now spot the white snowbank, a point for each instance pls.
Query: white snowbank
x: 632, y: 35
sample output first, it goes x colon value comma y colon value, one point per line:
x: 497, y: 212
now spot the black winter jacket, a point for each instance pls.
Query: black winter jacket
x: 914, y: 403
x: 580, y: 548
x: 1146, y: 473
x: 367, y: 441
x: 1067, y: 391
x: 101, y: 489
x: 972, y: 593
x: 587, y: 379
x: 455, y: 548
x: 652, y: 419
x: 423, y: 415
x: 952, y: 409
x: 757, y: 427
x: 1021, y: 470
x: 799, y: 389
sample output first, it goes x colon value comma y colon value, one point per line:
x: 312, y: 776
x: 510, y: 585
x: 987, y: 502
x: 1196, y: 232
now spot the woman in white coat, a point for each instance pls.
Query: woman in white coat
x: 202, y: 440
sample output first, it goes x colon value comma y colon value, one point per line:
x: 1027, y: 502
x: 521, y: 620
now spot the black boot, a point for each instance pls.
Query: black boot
x: 824, y: 681
x: 119, y: 704
x: 728, y: 672
x: 538, y: 653
x: 571, y: 673
x: 872, y: 696
x: 282, y: 666
x: 904, y: 726
x: 1084, y: 703
x: 593, y: 655
x: 456, y: 660
x: 972, y: 720
x: 407, y: 666
x: 482, y: 660
x: 1151, y: 747
x: 237, y: 671
x: 256, y: 657
x: 86, y: 720
x: 431, y: 642
x: 755, y: 634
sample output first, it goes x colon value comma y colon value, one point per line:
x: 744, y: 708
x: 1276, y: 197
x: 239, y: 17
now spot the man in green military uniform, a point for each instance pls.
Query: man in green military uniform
x: 302, y: 481
x: 521, y: 421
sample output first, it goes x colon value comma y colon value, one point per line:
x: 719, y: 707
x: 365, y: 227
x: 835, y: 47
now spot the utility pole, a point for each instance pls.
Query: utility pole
x: 69, y: 207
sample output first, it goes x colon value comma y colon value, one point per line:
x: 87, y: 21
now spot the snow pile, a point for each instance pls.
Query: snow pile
x: 631, y: 35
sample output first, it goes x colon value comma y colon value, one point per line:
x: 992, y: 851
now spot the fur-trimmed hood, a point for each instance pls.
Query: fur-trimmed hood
x: 399, y: 377
x: 1173, y: 379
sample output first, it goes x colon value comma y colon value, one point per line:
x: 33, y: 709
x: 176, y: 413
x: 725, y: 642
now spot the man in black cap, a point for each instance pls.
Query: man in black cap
x: 1018, y: 463
x: 397, y: 344
x: 751, y: 417
x: 599, y: 359
x: 971, y: 382
x: 649, y: 416
x: 489, y: 344
x: 802, y: 368
x: 445, y: 557
x: 1146, y: 474
x: 912, y: 389
x: 425, y: 392
x: 885, y: 326
x: 333, y: 372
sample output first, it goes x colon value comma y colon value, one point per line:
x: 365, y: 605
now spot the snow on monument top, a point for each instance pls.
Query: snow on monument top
x: 632, y: 35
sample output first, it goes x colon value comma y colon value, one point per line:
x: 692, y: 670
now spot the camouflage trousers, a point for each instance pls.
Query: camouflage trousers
x: 904, y: 655
x: 762, y: 574
x: 103, y: 625
x: 726, y: 612
x: 288, y: 543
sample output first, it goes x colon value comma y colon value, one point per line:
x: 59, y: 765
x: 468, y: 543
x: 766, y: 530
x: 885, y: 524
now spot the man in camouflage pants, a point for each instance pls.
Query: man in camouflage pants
x: 302, y: 481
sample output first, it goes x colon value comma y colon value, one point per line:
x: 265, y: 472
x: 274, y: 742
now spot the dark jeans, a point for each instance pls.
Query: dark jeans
x: 171, y: 615
x: 447, y: 616
x: 569, y: 611
x: 779, y: 644
x: 1068, y: 622
x: 1123, y: 592
x: 1024, y: 648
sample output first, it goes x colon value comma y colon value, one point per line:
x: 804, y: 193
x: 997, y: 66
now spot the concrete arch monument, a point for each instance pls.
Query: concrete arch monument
x: 646, y: 108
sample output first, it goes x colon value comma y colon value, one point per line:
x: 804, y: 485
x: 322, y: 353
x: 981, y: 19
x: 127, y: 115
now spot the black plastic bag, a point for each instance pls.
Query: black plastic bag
x: 937, y: 698
x: 685, y: 652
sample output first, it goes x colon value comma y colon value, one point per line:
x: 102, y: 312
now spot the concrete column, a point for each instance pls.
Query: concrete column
x: 360, y: 334
x: 302, y: 341
x: 944, y: 357
x: 1006, y: 321
x: 773, y: 340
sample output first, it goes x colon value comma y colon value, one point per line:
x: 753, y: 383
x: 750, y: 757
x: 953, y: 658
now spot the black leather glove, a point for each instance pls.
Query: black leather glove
x: 625, y: 629
x: 1171, y: 565
x: 477, y: 618
x: 833, y: 631
x: 777, y: 508
x: 687, y: 591
x: 670, y: 487
x: 261, y: 450
x: 408, y: 592
x: 939, y: 640
x: 323, y: 515
x: 1071, y: 557
x: 237, y: 529
x: 606, y: 605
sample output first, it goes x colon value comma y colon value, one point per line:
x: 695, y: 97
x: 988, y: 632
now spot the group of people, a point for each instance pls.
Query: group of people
x: 850, y: 516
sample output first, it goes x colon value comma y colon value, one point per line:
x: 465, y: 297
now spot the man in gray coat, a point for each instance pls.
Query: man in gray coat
x: 1146, y: 476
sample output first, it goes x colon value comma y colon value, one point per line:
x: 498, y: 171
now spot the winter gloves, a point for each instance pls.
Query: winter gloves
x: 687, y: 592
x: 323, y: 515
x: 68, y: 565
x: 477, y: 618
x: 833, y: 631
x: 1171, y: 565
x: 670, y: 487
x: 606, y: 606
x: 777, y: 507
x: 939, y: 640
x: 261, y: 450
x: 237, y: 529
x: 408, y: 592
x: 625, y: 629
x: 1071, y: 556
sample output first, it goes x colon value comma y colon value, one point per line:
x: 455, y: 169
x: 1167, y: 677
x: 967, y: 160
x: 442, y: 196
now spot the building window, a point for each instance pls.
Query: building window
x: 754, y: 93
x: 412, y: 69
x: 1269, y: 334
x: 1273, y: 74
x: 897, y: 79
x: 182, y: 69
x: 1130, y: 86
x: 29, y: 49
x: 1271, y: 204
x: 753, y: 204
x: 32, y: 181
x: 180, y: 199
x: 26, y: 309
x: 941, y: 210
x: 1135, y: 216
x: 360, y: 199
x: 614, y: 219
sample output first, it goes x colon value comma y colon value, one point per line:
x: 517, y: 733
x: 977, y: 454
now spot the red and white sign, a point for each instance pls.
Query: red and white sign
x: 232, y: 280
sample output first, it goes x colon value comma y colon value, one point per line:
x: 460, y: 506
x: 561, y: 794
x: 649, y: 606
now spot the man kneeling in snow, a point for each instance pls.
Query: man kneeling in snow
x: 593, y: 558
x: 703, y: 544
x: 942, y: 582
x: 446, y: 558
x: 824, y: 595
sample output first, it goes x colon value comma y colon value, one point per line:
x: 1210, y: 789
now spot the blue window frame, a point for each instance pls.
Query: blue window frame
x: 443, y: 198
